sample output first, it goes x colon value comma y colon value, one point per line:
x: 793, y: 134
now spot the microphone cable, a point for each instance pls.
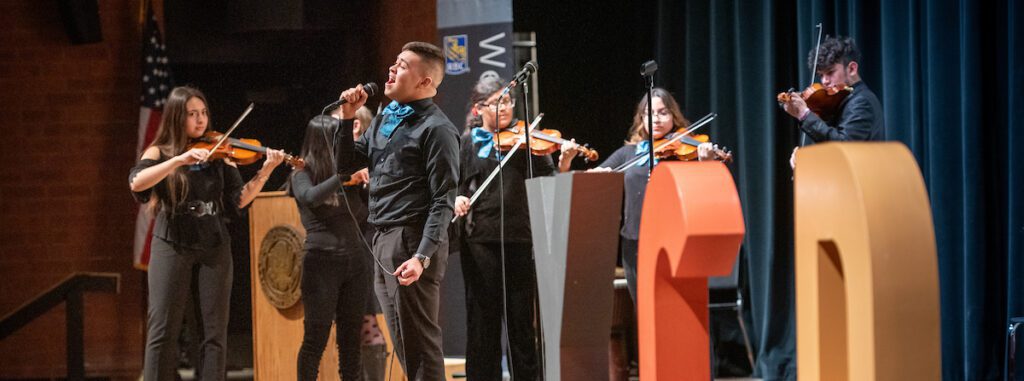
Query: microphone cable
x: 369, y: 251
x: 501, y: 238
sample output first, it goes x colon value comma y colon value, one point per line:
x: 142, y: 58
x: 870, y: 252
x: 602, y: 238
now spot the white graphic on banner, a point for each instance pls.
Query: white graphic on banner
x: 495, y: 50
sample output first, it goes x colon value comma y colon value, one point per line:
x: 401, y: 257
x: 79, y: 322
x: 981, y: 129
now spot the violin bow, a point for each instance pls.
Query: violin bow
x: 817, y: 49
x: 494, y: 173
x: 233, y: 127
x: 698, y: 124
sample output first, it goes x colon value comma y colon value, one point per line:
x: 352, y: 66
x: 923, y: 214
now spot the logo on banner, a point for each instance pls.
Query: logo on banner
x: 456, y: 54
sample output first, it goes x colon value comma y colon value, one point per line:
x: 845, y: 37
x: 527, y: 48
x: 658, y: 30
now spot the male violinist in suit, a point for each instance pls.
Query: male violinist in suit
x: 859, y: 117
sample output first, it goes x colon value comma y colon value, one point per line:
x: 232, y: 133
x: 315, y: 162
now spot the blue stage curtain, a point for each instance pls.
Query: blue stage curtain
x: 949, y: 75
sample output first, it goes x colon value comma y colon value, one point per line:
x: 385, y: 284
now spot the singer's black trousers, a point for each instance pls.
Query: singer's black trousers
x: 485, y: 291
x: 412, y: 310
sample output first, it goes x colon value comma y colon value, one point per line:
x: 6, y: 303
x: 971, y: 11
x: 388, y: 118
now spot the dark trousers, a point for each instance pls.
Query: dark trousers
x: 481, y: 267
x: 412, y: 310
x: 334, y: 289
x: 628, y: 248
x: 170, y: 277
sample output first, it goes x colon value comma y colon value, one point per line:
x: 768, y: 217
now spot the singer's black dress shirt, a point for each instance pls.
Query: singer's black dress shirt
x: 413, y: 174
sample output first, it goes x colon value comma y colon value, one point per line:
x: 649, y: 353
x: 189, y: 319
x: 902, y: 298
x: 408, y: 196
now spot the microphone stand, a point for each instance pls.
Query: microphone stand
x: 526, y: 109
x: 647, y: 71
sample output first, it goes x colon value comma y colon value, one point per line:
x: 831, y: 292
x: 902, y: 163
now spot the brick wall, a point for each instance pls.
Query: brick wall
x: 70, y: 114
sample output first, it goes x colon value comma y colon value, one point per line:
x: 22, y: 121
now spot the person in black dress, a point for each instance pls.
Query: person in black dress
x: 194, y: 197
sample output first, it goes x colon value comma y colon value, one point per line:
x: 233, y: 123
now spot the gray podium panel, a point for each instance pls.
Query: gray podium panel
x: 575, y: 220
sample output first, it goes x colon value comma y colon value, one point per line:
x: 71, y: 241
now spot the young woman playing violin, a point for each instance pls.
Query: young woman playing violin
x: 194, y: 195
x: 486, y: 295
x: 667, y: 119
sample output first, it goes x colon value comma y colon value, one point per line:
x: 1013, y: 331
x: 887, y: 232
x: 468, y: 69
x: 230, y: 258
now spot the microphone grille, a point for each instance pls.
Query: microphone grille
x: 370, y: 88
x: 532, y: 67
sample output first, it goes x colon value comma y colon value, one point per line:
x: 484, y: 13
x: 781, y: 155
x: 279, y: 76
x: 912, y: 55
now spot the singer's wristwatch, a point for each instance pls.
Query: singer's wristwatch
x: 424, y: 260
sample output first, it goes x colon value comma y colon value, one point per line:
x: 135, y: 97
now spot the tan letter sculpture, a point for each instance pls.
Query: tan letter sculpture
x: 867, y: 295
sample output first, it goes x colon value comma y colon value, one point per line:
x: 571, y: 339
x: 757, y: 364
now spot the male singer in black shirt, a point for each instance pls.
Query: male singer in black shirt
x: 413, y: 152
x: 860, y: 115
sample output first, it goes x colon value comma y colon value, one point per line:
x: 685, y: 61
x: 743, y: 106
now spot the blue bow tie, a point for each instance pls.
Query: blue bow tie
x: 643, y: 148
x: 393, y: 116
x: 481, y: 135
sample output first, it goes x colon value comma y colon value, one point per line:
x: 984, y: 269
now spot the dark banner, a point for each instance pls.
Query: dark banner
x: 477, y: 40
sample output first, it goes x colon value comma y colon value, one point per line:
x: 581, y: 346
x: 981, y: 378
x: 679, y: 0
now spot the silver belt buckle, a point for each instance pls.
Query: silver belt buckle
x: 201, y: 208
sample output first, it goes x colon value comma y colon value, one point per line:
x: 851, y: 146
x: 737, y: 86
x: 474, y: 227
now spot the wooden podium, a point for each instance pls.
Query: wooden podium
x: 276, y: 332
x: 575, y: 225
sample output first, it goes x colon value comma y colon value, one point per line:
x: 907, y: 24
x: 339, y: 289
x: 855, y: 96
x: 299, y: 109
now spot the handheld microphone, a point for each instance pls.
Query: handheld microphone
x: 370, y: 88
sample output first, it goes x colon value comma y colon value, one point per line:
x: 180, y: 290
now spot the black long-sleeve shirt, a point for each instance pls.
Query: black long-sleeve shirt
x: 413, y: 174
x: 861, y: 119
x: 483, y: 222
x: 635, y: 178
x: 328, y: 227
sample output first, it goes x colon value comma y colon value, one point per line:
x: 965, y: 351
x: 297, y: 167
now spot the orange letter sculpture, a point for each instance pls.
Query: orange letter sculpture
x: 691, y: 229
x: 867, y: 290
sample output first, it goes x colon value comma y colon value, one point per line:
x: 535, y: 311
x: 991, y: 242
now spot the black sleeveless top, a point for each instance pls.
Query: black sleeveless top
x: 198, y: 222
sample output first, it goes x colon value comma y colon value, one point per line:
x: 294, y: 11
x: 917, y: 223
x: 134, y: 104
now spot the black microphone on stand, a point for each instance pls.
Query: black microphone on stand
x: 528, y: 69
x: 370, y: 88
x: 648, y: 68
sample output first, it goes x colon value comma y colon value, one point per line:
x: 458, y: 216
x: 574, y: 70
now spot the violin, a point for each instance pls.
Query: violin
x: 822, y: 100
x: 685, y: 148
x: 542, y: 142
x: 241, y: 151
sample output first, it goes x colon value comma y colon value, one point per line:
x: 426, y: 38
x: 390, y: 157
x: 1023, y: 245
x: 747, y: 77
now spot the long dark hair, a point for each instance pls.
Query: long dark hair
x: 638, y: 131
x: 172, y: 140
x: 316, y: 152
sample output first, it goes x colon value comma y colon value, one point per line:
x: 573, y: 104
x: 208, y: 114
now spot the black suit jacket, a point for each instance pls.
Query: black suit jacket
x: 861, y: 119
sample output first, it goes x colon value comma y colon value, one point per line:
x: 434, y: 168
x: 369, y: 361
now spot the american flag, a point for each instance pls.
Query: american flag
x: 156, y: 85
